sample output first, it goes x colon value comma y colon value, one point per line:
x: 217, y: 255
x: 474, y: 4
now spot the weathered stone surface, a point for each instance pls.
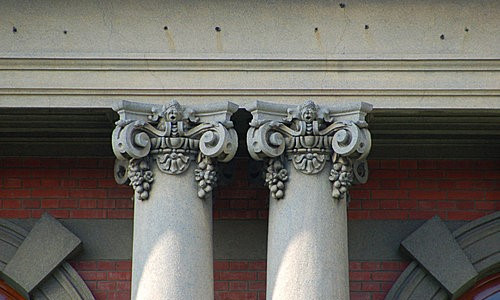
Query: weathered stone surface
x: 435, y: 248
x: 62, y: 283
x: 47, y: 245
x: 137, y: 31
x: 240, y: 239
x: 382, y: 237
x: 480, y: 240
x: 103, y: 239
x: 389, y: 65
x: 427, y: 289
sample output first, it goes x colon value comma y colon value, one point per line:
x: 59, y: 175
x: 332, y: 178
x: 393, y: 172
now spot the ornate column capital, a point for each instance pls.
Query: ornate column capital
x: 309, y: 135
x: 172, y: 136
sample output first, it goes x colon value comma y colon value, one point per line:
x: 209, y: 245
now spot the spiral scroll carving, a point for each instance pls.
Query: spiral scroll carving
x: 129, y: 141
x: 219, y: 142
x: 172, y: 137
x: 310, y: 136
x: 265, y: 141
x: 352, y: 141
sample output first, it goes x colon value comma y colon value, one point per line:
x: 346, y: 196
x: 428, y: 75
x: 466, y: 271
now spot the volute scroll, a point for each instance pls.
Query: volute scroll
x: 311, y: 136
x: 172, y: 136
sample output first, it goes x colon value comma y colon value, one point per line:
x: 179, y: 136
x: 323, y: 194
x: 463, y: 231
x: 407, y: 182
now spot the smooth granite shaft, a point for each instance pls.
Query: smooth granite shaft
x: 307, y: 241
x: 172, y: 251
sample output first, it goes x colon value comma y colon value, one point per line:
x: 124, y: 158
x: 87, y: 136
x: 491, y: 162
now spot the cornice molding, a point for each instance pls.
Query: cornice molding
x: 382, y: 99
x: 248, y: 64
x: 323, y: 92
x: 387, y: 83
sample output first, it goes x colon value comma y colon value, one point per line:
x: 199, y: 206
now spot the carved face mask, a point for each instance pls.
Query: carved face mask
x: 308, y: 114
x: 173, y: 114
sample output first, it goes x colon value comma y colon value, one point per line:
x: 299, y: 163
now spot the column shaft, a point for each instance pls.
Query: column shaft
x: 313, y: 154
x: 168, y: 153
x: 172, y: 255
x: 307, y: 241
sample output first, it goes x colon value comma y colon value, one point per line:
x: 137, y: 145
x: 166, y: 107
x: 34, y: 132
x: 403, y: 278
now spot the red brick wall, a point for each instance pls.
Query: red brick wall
x: 107, y: 279
x: 420, y: 189
x: 373, y: 279
x: 238, y: 280
x: 397, y: 189
x: 66, y: 188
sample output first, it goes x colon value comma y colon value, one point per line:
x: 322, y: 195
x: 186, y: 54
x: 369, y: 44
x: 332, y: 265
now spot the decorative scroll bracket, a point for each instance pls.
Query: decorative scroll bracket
x: 309, y: 135
x: 172, y: 136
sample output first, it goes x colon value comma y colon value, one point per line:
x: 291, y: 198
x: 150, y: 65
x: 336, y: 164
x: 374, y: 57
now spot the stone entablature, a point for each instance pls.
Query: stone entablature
x: 172, y: 136
x: 309, y: 135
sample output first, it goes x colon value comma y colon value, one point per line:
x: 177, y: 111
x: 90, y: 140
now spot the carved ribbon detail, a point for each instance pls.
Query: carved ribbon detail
x: 172, y: 136
x: 309, y: 136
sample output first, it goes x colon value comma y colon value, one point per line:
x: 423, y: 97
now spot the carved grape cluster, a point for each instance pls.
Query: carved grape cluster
x: 140, y: 177
x: 276, y: 175
x: 341, y: 175
x: 206, y: 176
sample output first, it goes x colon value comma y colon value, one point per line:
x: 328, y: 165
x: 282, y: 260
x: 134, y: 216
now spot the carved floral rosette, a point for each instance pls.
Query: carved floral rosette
x: 172, y: 136
x: 309, y: 136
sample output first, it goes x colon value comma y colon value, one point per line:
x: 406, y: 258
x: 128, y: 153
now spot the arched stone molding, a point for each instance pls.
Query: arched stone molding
x: 63, y: 283
x: 479, y: 241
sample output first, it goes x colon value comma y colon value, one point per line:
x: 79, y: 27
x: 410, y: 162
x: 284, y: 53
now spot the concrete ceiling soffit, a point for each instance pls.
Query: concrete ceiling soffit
x: 440, y: 134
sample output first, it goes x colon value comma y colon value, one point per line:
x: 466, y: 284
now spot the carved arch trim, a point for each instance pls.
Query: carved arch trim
x: 476, y: 239
x: 63, y: 283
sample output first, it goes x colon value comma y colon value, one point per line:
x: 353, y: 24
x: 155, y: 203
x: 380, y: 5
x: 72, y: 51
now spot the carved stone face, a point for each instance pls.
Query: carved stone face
x: 308, y: 114
x: 173, y: 114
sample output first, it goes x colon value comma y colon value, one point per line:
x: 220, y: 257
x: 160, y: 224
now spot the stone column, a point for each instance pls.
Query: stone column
x: 312, y: 154
x: 155, y: 147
